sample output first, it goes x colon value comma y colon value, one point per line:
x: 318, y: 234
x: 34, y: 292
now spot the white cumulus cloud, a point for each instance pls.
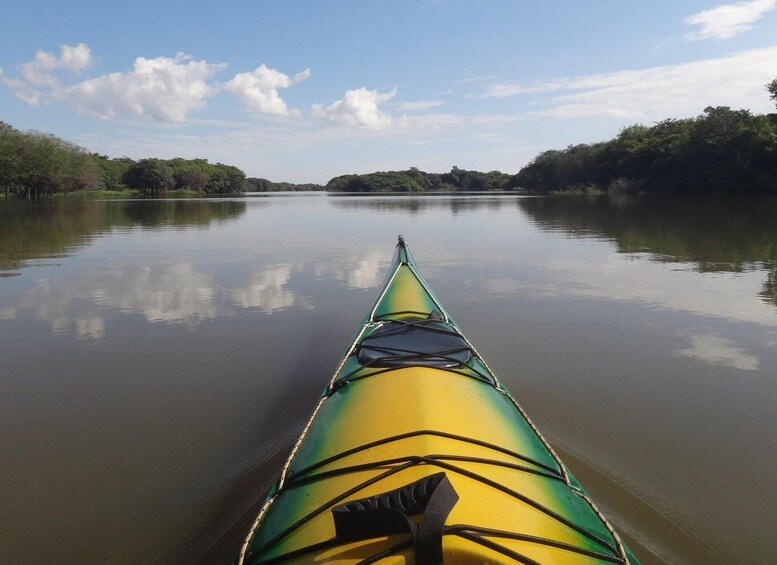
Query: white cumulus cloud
x: 39, y: 75
x: 76, y: 57
x: 73, y: 58
x: 258, y: 90
x: 359, y: 108
x: 165, y: 88
x: 24, y: 91
x: 727, y: 20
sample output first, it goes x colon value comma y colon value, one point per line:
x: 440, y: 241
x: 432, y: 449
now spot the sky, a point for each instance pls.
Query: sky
x: 303, y: 91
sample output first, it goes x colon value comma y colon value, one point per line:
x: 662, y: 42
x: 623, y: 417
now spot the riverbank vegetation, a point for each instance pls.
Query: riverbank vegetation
x: 721, y: 150
x: 35, y: 165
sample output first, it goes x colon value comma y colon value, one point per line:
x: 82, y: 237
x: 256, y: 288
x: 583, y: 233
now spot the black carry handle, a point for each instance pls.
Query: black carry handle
x: 389, y: 513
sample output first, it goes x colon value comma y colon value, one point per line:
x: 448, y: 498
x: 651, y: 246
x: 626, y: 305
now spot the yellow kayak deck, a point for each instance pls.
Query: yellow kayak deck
x: 416, y: 453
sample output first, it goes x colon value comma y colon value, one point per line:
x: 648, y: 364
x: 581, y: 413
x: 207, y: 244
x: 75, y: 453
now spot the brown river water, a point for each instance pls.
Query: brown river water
x: 158, y: 358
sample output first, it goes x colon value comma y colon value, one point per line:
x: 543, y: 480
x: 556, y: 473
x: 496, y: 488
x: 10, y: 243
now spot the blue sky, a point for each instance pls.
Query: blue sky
x: 306, y: 90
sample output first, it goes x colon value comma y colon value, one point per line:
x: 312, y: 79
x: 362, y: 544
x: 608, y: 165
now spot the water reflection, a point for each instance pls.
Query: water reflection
x: 30, y: 231
x: 670, y: 286
x: 162, y: 293
x: 361, y: 270
x: 64, y: 311
x: 723, y: 233
x: 268, y: 291
x: 769, y: 291
x: 414, y: 205
x: 181, y: 213
x: 171, y: 293
x: 178, y: 293
x: 715, y: 350
x: 714, y: 234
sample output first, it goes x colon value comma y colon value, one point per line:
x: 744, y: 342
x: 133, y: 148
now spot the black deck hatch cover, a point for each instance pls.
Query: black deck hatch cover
x: 428, y: 343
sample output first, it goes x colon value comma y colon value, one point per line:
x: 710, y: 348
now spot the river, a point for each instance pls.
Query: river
x: 159, y: 357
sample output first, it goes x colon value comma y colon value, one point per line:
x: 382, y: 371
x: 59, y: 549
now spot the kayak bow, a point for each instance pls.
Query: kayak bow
x: 416, y: 453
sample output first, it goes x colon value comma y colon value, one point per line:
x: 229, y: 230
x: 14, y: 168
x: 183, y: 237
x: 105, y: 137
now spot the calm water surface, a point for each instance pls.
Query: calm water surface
x: 157, y: 358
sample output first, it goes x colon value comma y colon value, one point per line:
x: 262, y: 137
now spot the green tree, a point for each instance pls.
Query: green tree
x: 721, y: 151
x: 772, y: 88
x: 540, y: 174
x: 226, y: 179
x: 150, y: 176
x: 35, y: 164
x: 113, y: 171
x: 79, y: 170
x: 10, y: 141
x: 47, y: 165
x: 391, y: 181
x: 191, y: 174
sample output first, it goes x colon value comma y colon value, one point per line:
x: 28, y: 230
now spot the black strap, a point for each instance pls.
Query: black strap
x: 389, y: 513
x: 428, y: 540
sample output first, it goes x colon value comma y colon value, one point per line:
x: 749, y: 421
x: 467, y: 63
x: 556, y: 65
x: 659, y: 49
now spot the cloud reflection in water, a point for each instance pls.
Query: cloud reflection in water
x: 715, y: 350
x: 178, y: 293
x: 668, y: 286
x: 268, y: 291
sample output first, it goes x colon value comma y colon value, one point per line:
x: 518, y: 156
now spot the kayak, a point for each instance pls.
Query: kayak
x: 417, y: 453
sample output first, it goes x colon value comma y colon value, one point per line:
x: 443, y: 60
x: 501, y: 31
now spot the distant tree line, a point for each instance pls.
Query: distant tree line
x: 721, y: 150
x: 35, y: 165
x: 264, y: 185
x: 415, y: 180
